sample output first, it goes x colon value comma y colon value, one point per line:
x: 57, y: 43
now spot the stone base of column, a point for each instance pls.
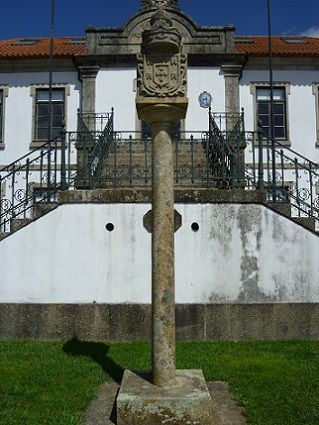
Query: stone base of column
x: 186, y: 402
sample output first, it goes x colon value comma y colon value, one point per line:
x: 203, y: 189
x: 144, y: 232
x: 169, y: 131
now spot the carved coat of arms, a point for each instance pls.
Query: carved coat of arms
x: 162, y: 76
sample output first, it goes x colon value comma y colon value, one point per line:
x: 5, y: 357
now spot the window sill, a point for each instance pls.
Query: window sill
x: 2, y: 145
x: 39, y: 144
x: 286, y: 143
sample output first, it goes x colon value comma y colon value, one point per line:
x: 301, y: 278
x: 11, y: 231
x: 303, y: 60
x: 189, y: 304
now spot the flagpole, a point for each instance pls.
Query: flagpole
x: 50, y: 129
x: 271, y: 115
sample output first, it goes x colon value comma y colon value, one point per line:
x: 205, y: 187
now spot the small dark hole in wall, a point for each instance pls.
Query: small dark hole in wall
x: 109, y: 227
x: 195, y: 226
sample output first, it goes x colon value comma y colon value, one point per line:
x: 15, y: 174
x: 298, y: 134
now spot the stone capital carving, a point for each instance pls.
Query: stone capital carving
x: 162, y: 75
x: 151, y: 4
x: 162, y: 68
x: 88, y: 71
x: 232, y: 70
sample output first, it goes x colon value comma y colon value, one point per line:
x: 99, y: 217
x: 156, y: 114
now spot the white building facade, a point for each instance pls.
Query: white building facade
x: 235, y: 247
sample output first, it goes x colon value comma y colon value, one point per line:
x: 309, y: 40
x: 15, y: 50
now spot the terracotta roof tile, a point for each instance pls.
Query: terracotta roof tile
x: 40, y: 47
x: 70, y: 46
x: 281, y: 46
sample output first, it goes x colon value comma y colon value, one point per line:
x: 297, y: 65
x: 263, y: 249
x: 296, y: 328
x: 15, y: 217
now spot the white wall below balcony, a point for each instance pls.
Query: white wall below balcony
x: 241, y: 254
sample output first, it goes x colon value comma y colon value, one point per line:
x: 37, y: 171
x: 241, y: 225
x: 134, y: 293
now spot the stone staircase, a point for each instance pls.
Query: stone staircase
x: 129, y: 164
x: 284, y: 208
x: 37, y: 211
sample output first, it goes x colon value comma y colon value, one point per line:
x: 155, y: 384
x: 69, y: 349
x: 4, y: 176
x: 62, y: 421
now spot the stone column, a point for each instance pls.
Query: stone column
x: 88, y: 76
x: 162, y: 118
x: 84, y: 143
x: 172, y: 396
x: 232, y: 74
x: 161, y: 102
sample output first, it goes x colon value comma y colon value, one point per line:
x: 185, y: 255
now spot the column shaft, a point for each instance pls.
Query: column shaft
x: 163, y: 291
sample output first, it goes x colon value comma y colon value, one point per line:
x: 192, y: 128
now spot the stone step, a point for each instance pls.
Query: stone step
x: 17, y: 223
x: 148, y: 153
x: 139, y: 184
x: 308, y: 222
x: 3, y: 235
x: 283, y: 208
x: 139, y: 149
x: 38, y: 210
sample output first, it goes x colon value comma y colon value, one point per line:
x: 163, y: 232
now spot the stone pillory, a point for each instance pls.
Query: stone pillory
x: 161, y: 102
x: 171, y: 396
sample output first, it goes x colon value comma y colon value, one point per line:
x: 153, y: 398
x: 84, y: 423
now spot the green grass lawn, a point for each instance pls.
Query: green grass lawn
x: 277, y: 383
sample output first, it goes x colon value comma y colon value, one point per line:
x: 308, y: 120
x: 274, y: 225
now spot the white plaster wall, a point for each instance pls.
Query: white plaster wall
x: 18, y: 109
x: 241, y: 253
x: 300, y: 105
x: 199, y: 80
x: 115, y: 89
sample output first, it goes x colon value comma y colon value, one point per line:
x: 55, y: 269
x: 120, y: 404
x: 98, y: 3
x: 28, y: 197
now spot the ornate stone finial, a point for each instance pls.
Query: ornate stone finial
x: 151, y: 4
x: 162, y: 37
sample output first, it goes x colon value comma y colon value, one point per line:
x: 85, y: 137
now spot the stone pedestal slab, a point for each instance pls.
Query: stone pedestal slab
x: 187, y: 402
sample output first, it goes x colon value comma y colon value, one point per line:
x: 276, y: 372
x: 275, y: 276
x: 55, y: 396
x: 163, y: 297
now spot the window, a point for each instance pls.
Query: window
x: 42, y: 113
x: 25, y: 42
x: 295, y: 40
x: 279, y: 110
x: 1, y: 113
x: 4, y: 91
x: 315, y: 91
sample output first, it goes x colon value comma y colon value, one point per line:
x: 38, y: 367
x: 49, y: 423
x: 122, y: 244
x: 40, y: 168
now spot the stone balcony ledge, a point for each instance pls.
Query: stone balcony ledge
x: 144, y: 195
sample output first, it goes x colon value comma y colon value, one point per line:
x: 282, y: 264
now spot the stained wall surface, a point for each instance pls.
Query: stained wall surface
x: 240, y: 254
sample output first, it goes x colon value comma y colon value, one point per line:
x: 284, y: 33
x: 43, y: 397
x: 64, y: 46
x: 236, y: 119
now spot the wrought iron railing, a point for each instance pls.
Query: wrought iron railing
x: 34, y: 179
x: 228, y: 121
x: 37, y: 177
x: 94, y: 122
x: 226, y: 156
x: 94, y: 138
x: 129, y: 161
x: 224, y: 146
x: 292, y: 178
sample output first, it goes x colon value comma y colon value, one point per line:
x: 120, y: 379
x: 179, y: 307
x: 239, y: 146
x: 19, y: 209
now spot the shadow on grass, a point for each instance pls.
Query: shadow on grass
x: 97, y: 351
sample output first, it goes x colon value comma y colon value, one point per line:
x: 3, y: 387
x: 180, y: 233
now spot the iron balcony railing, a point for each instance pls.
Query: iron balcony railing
x: 37, y: 177
x: 95, y: 137
x: 34, y: 179
x: 224, y: 156
x: 292, y: 178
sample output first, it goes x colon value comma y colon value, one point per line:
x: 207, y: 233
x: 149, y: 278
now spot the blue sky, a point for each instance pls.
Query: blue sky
x: 31, y: 18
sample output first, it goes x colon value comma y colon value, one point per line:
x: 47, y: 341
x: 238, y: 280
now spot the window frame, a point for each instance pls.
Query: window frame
x: 277, y: 85
x: 4, y: 89
x: 35, y: 142
x: 315, y: 91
